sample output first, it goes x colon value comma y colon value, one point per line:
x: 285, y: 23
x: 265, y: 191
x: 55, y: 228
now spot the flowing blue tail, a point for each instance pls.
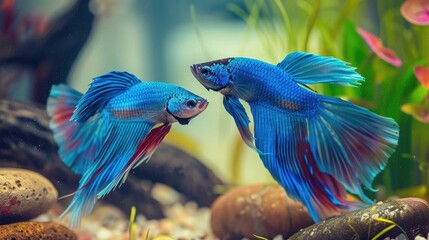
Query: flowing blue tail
x: 352, y: 143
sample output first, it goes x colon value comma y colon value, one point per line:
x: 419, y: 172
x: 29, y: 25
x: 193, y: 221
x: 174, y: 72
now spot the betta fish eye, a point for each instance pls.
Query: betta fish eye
x: 206, y: 70
x: 191, y: 103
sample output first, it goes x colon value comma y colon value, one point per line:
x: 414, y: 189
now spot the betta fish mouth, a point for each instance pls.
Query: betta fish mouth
x: 196, y: 71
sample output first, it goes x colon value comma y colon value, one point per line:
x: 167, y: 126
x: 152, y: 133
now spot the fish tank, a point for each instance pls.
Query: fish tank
x: 315, y: 124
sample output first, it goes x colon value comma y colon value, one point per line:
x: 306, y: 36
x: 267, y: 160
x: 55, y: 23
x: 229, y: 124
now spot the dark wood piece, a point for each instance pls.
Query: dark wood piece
x: 52, y: 55
x: 384, y: 220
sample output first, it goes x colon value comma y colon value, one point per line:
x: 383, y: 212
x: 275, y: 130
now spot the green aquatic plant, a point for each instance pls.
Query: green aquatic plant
x: 133, y: 226
x: 385, y: 230
x: 196, y: 26
x: 132, y: 229
x: 164, y: 237
x: 277, y: 36
x: 260, y: 237
x: 388, y: 228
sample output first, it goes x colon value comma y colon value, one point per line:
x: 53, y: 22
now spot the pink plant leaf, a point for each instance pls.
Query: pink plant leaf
x: 377, y: 47
x: 422, y: 74
x: 416, y: 11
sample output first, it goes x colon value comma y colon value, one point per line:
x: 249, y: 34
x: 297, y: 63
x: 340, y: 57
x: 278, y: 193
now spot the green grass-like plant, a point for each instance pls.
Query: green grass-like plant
x: 388, y: 228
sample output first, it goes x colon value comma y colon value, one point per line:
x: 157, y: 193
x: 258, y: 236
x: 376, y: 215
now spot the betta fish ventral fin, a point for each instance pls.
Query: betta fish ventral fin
x: 76, y: 144
x: 306, y: 68
x: 121, y: 141
x: 352, y: 143
x: 237, y: 111
x: 101, y: 91
x: 144, y: 151
x: 288, y: 155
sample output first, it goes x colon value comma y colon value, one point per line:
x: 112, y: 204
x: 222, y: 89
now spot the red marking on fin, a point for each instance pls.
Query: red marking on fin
x: 84, y: 186
x: 151, y: 141
x: 148, y: 145
x: 61, y: 115
x: 325, y: 188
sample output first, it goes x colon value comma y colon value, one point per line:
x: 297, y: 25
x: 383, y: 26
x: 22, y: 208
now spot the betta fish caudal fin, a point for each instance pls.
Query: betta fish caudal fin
x: 81, y: 205
x: 285, y: 143
x: 237, y: 111
x: 307, y: 68
x: 101, y: 91
x: 120, y: 151
x: 61, y: 103
x: 76, y: 144
x: 352, y: 143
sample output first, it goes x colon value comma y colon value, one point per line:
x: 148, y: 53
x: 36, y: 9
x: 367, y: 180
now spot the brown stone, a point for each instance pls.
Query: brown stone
x: 262, y: 210
x: 24, y: 195
x: 36, y: 230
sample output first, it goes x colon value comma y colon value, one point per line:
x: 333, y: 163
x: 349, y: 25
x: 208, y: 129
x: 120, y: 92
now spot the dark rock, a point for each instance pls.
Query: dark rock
x: 36, y: 230
x: 408, y: 216
x: 263, y: 210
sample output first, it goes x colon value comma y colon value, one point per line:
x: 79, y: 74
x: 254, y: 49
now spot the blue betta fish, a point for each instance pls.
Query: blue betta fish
x: 115, y: 126
x: 317, y: 147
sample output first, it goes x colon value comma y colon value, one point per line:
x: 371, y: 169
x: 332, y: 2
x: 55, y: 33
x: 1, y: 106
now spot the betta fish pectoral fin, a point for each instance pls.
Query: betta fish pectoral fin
x: 237, y: 111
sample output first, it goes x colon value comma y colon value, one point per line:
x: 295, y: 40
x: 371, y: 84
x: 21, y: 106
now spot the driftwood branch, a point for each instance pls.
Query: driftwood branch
x: 51, y: 56
x: 26, y: 142
x: 188, y: 175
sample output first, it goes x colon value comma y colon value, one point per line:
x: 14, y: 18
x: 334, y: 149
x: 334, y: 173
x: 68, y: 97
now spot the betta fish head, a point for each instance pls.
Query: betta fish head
x: 214, y: 75
x: 183, y: 107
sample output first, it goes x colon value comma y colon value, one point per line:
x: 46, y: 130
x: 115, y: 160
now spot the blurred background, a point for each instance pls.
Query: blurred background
x: 73, y: 41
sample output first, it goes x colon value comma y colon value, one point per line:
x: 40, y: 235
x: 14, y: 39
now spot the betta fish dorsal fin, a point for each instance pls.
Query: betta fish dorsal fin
x: 101, y: 91
x: 306, y: 68
x: 237, y: 111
